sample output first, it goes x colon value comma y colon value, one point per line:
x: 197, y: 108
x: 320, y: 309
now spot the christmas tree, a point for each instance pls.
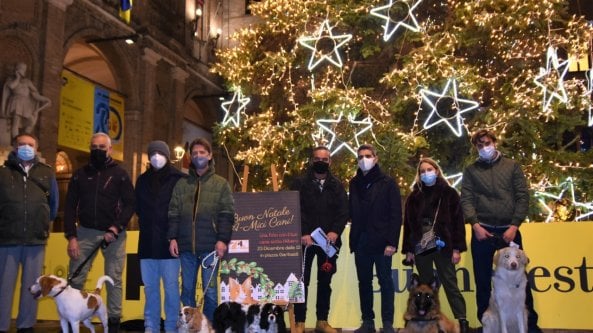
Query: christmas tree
x: 415, y: 78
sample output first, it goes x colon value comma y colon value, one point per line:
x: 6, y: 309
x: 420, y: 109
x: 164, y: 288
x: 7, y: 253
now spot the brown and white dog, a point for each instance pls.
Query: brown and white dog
x: 507, y: 312
x: 73, y: 305
x: 192, y: 320
x: 423, y: 314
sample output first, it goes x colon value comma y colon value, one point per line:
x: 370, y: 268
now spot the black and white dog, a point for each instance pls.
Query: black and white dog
x: 231, y: 317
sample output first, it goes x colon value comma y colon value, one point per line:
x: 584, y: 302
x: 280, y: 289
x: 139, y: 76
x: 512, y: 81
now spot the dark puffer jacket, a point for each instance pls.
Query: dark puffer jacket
x: 153, y: 194
x: 449, y: 226
x: 494, y: 193
x: 25, y: 209
x: 210, y: 196
x: 327, y: 209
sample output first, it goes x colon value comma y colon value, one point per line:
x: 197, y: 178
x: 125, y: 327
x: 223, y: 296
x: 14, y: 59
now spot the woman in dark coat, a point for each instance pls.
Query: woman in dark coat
x: 435, y: 204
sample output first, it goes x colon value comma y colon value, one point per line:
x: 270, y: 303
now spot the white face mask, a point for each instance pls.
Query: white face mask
x: 158, y: 161
x: 487, y: 153
x: 365, y: 164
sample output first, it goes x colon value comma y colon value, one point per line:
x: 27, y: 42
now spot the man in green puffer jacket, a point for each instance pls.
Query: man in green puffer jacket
x: 201, y: 216
x: 28, y: 204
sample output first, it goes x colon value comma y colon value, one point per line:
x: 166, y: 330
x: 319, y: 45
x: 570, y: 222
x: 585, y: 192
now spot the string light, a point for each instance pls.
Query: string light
x: 458, y: 106
x: 391, y: 26
x: 589, y: 95
x: 318, y: 55
x: 330, y: 125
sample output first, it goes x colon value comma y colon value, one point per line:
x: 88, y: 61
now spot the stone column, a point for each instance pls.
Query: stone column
x: 53, y: 55
x: 147, y: 88
x: 133, y: 148
x: 176, y: 126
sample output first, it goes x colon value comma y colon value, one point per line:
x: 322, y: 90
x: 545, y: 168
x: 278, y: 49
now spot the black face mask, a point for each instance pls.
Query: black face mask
x: 98, y: 158
x: 320, y: 167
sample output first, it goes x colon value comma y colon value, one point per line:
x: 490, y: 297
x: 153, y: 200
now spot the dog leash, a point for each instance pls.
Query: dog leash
x: 204, y: 266
x: 102, y: 244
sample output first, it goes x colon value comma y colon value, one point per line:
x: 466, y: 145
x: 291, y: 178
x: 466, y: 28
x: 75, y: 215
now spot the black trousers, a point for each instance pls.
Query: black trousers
x: 324, y: 279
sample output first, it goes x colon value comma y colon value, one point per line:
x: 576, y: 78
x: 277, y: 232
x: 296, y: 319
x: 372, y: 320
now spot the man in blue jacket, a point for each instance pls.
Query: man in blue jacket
x: 375, y: 209
x: 101, y: 199
x: 29, y: 201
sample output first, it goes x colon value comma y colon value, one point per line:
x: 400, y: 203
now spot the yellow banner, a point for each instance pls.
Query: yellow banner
x: 559, y: 253
x: 86, y: 108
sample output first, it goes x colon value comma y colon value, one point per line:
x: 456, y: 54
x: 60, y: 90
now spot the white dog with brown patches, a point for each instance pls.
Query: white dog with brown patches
x: 192, y: 320
x: 74, y: 305
x: 507, y: 312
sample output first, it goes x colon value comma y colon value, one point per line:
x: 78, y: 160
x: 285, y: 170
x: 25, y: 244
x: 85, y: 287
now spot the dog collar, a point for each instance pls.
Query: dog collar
x: 61, y: 291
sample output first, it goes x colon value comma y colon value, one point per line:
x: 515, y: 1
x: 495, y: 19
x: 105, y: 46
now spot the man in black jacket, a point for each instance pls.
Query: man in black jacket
x: 101, y: 199
x: 324, y: 205
x: 29, y: 201
x: 375, y: 209
x: 495, y: 201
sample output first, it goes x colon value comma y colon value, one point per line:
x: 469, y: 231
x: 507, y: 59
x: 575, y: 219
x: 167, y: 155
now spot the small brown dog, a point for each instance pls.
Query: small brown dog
x: 423, y: 314
x: 192, y: 320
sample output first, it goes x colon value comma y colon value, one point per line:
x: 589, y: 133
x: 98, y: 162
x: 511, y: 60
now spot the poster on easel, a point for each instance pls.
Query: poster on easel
x: 264, y: 259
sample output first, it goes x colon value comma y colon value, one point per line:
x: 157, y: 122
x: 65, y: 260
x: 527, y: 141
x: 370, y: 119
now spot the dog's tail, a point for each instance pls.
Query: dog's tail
x: 101, y: 282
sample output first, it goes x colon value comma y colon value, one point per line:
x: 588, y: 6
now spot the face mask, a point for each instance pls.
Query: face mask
x: 429, y: 178
x: 320, y: 167
x: 487, y: 152
x: 200, y: 162
x: 25, y: 153
x: 158, y: 161
x: 98, y: 157
x: 366, y: 164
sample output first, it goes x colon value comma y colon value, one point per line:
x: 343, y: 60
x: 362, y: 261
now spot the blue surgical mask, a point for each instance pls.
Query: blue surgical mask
x: 487, y: 153
x: 25, y: 153
x: 429, y: 178
x: 200, y: 162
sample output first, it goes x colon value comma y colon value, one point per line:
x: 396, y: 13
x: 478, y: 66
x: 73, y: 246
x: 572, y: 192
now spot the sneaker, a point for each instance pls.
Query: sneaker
x: 323, y: 326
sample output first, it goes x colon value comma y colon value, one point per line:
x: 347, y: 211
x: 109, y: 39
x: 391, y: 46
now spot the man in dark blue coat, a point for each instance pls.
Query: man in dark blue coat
x: 375, y: 209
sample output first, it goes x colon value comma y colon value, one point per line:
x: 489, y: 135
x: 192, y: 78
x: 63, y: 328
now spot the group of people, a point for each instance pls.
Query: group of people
x: 186, y: 220
x: 494, y: 200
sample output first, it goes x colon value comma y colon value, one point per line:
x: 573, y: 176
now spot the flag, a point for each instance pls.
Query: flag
x: 125, y: 10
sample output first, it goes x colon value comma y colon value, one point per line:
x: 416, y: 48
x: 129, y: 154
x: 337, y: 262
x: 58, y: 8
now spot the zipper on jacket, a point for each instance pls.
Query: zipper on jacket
x: 25, y: 178
x: 193, y: 222
x: 96, y: 195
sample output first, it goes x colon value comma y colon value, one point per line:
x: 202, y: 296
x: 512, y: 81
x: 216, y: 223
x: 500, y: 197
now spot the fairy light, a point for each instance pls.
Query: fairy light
x: 555, y: 71
x: 341, y: 139
x: 233, y: 108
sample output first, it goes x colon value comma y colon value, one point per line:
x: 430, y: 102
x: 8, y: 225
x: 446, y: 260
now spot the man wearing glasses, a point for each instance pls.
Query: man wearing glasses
x: 495, y: 201
x: 375, y: 209
x: 324, y: 204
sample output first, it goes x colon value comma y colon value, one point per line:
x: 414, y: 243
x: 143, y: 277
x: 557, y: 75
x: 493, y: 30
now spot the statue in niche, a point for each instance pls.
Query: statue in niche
x: 21, y: 102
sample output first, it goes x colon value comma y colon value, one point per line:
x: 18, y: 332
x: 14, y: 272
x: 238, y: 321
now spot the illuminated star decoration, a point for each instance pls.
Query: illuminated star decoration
x: 455, y: 180
x: 233, y: 115
x: 336, y: 142
x: 589, y: 93
x: 440, y: 102
x: 554, y: 71
x: 323, y: 35
x: 565, y: 192
x: 391, y: 25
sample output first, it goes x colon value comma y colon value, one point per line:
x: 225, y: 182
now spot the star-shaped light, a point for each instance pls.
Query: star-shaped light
x: 455, y: 179
x: 318, y: 55
x: 447, y: 100
x: 391, y: 25
x: 589, y: 94
x: 337, y: 142
x: 554, y: 71
x: 559, y: 194
x: 233, y: 108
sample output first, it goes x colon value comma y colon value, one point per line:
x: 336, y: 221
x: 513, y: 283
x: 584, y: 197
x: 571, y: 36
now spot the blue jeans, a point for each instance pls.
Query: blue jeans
x: 190, y: 264
x: 364, y: 270
x: 153, y: 270
x: 30, y: 258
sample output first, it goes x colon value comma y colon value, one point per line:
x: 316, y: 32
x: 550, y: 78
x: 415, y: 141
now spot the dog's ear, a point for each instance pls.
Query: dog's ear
x: 435, y: 284
x: 497, y: 256
x: 414, y: 281
x: 47, y: 283
x: 524, y: 258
